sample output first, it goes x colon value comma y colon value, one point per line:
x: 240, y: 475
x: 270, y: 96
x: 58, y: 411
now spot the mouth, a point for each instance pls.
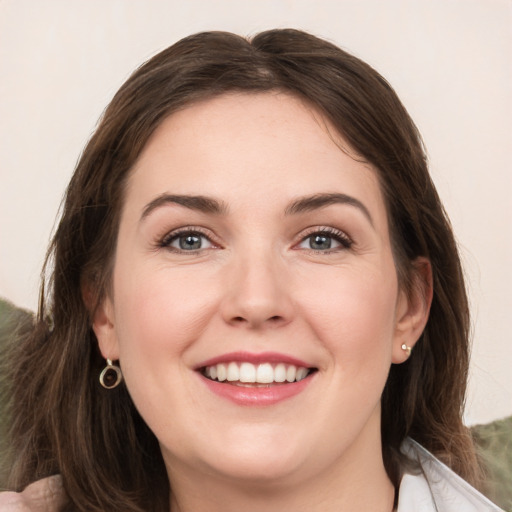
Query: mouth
x: 262, y: 375
x: 250, y: 379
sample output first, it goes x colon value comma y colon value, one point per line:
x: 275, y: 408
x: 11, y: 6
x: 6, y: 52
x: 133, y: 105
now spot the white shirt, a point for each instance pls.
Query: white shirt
x: 437, y: 488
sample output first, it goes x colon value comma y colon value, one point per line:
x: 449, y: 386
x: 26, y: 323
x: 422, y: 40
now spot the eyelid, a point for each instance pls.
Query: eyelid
x: 337, y: 234
x: 340, y: 236
x: 164, y: 242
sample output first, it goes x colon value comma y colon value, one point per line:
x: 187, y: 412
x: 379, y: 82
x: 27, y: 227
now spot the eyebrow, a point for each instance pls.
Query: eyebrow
x: 317, y: 201
x: 213, y: 206
x: 200, y: 203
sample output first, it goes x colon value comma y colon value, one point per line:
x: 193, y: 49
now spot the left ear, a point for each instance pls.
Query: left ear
x: 412, y: 311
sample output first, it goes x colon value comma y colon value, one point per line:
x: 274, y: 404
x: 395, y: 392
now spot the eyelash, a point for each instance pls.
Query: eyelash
x: 329, y: 232
x: 339, y: 236
x: 169, y: 238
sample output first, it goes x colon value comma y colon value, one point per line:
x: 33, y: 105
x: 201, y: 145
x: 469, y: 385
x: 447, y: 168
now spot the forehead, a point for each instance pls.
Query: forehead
x: 240, y: 147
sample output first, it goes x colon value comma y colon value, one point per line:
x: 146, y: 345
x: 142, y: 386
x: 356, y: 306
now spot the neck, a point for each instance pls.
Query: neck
x: 215, y: 497
x: 357, y: 480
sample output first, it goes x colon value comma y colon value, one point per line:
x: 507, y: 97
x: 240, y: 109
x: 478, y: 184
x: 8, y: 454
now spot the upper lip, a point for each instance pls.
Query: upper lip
x: 249, y: 357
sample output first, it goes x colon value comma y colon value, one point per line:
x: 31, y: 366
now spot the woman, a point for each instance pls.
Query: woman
x: 255, y: 299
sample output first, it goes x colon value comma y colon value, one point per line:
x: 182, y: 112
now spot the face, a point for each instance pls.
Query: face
x: 255, y: 308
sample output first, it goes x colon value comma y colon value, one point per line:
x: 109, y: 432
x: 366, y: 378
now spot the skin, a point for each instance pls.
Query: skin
x: 257, y: 285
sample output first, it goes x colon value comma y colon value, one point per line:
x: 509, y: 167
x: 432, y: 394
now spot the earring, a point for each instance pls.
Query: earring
x: 111, y: 375
x: 407, y: 349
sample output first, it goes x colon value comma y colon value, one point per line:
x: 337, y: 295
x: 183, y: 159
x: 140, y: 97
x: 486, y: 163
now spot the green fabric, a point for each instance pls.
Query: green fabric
x: 494, y: 441
x: 12, y: 319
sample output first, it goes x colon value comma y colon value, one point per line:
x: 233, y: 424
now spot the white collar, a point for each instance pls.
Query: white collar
x: 436, y: 488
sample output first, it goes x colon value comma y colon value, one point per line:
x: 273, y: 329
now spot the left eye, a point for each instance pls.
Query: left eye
x: 324, y: 241
x: 189, y: 241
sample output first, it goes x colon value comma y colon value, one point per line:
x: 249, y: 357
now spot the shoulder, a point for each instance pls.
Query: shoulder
x: 436, y: 487
x: 46, y: 495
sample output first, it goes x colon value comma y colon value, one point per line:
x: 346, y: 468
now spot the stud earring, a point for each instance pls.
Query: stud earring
x: 407, y: 349
x: 111, y: 376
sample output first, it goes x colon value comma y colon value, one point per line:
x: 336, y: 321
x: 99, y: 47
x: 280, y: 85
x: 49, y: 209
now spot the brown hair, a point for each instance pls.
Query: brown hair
x: 63, y: 421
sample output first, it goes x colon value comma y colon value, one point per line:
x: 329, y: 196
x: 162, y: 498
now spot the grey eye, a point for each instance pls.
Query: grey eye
x: 320, y: 242
x: 189, y: 242
x: 325, y: 241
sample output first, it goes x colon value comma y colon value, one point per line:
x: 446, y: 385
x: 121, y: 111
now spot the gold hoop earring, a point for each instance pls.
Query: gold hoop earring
x: 407, y: 349
x: 111, y: 375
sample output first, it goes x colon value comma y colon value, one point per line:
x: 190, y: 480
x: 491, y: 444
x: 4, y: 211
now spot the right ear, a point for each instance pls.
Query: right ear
x: 103, y: 325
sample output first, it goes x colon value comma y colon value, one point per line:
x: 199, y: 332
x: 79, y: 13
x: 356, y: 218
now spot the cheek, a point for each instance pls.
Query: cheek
x: 353, y: 313
x: 159, y: 313
x: 156, y: 323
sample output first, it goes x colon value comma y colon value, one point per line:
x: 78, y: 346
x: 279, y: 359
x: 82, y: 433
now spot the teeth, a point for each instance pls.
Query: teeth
x: 291, y: 373
x: 301, y: 373
x: 233, y: 372
x: 247, y: 372
x: 221, y: 372
x: 264, y: 373
x: 280, y: 373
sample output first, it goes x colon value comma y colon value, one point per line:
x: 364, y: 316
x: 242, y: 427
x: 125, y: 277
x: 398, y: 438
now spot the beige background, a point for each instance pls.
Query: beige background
x: 449, y: 60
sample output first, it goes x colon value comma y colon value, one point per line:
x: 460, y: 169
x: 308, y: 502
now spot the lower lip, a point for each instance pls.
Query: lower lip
x: 242, y: 395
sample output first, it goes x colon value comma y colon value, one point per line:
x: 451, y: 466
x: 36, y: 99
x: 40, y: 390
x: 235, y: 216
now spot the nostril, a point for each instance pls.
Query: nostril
x: 255, y: 321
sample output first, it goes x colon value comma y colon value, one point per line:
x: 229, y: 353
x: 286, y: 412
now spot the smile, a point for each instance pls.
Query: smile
x: 263, y: 374
x: 256, y: 379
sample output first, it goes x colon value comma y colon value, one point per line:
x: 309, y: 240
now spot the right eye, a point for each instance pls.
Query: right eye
x: 187, y: 241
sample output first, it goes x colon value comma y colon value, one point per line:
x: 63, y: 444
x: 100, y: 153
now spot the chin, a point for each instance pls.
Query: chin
x: 260, y: 469
x: 258, y: 458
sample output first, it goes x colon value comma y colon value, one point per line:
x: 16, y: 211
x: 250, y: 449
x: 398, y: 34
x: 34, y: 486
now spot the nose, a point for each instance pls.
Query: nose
x: 257, y: 294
